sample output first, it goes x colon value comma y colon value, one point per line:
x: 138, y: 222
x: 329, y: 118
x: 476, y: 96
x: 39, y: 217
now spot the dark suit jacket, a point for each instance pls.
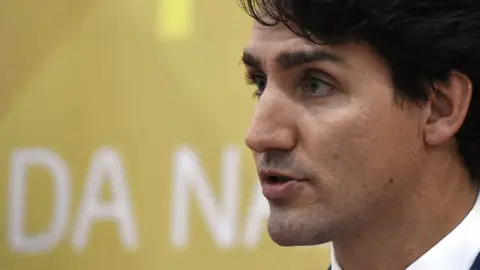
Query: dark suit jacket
x: 475, y: 266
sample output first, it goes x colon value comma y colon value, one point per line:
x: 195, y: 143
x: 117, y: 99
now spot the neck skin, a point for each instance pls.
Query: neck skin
x: 433, y: 209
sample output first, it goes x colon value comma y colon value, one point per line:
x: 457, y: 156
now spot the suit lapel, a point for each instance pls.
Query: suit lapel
x: 476, y: 263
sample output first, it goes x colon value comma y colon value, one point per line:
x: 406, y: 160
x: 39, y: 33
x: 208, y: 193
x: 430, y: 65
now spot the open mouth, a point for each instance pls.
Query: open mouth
x: 279, y: 186
x: 272, y: 179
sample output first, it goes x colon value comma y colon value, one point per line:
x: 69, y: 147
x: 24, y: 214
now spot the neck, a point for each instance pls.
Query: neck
x: 426, y: 215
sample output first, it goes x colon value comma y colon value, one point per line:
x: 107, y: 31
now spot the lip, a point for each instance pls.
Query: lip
x: 280, y: 190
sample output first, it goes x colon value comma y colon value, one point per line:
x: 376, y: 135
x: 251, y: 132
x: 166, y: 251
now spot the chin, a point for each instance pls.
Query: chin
x: 288, y: 234
x: 285, y: 242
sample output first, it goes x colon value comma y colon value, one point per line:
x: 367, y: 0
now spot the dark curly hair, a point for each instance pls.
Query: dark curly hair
x: 421, y: 40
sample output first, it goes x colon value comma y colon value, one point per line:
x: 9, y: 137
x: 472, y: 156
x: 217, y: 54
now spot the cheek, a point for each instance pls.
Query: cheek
x: 357, y: 152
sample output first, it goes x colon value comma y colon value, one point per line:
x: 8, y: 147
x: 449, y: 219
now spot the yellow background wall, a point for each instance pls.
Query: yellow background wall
x: 110, y: 92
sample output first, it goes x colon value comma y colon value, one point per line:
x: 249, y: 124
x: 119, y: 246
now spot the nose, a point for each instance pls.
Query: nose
x: 273, y: 124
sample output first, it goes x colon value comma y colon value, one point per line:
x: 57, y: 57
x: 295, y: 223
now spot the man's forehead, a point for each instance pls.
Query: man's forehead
x: 272, y: 40
x: 267, y: 43
x: 279, y: 31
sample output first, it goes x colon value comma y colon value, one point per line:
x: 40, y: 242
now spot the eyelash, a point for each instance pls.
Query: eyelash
x: 250, y: 80
x: 251, y: 77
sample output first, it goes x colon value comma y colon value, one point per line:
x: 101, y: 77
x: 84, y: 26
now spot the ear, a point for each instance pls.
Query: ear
x: 448, y: 107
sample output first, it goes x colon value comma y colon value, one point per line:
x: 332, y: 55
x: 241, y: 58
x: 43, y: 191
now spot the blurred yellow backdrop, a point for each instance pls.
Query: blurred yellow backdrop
x: 121, y: 136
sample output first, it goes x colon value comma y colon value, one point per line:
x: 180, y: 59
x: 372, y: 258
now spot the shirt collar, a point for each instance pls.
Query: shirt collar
x: 456, y: 251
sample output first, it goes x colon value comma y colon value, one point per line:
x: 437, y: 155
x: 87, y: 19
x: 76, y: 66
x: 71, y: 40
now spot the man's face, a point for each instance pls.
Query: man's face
x: 326, y: 116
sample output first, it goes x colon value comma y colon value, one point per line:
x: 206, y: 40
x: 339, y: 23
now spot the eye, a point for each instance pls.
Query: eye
x: 260, y: 82
x: 316, y: 87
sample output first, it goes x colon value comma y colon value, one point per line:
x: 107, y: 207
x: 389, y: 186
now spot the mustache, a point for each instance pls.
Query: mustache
x: 282, y: 161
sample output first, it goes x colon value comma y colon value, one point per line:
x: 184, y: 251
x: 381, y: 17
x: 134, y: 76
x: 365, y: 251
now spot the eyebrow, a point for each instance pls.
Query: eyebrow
x: 289, y: 60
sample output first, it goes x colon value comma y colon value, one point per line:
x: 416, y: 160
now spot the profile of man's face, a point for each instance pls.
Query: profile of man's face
x: 327, y: 117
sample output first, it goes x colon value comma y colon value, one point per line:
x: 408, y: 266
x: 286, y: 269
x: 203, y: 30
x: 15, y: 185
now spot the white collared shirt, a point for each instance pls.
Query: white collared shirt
x: 456, y: 251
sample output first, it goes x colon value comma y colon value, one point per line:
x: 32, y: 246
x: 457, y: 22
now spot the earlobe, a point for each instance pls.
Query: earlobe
x: 448, y: 107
